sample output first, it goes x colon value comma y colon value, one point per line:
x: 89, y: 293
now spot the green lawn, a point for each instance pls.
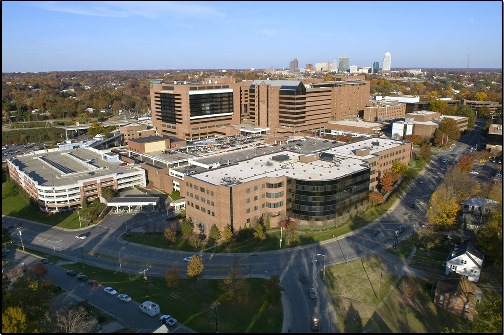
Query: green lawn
x: 190, y: 302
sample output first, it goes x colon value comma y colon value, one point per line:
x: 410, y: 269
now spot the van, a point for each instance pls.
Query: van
x: 149, y: 307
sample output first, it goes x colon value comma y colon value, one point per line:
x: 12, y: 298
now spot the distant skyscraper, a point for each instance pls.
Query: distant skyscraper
x: 376, y: 67
x: 293, y: 67
x: 344, y: 64
x: 386, y: 62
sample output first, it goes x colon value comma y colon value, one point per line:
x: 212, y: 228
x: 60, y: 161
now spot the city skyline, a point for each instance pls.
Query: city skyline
x: 150, y: 35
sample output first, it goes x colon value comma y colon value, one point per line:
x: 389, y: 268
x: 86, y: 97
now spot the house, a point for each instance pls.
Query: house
x: 458, y: 296
x: 465, y: 260
x: 478, y: 205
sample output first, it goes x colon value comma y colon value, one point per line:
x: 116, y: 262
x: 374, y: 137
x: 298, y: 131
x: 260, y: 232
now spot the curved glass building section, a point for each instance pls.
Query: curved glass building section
x: 319, y: 200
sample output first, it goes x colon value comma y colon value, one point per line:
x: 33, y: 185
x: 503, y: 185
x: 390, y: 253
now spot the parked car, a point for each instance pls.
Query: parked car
x: 302, y: 278
x: 315, y: 326
x: 474, y: 173
x: 110, y: 290
x: 94, y: 282
x: 312, y: 293
x: 124, y: 297
x: 81, y: 236
x: 443, y: 160
x: 164, y: 317
x: 82, y: 277
x: 187, y: 259
x: 44, y: 260
x: 171, y: 321
x: 71, y: 273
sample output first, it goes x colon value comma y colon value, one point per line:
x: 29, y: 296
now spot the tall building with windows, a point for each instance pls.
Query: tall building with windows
x: 376, y: 67
x: 294, y: 66
x: 387, y: 62
x: 344, y: 64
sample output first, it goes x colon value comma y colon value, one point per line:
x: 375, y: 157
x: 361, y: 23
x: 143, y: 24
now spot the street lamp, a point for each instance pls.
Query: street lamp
x: 20, y: 237
x: 323, y: 273
x: 80, y: 223
x: 120, y: 260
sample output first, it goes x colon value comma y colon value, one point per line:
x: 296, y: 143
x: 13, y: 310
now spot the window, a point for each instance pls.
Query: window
x: 255, y: 188
x: 196, y: 187
x: 247, y: 190
x: 247, y: 211
x: 202, y: 189
x: 247, y: 201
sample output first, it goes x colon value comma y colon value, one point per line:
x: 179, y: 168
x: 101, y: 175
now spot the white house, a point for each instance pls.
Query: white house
x: 465, y: 260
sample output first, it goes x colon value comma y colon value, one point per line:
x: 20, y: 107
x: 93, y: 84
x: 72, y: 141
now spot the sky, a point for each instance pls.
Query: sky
x: 43, y: 36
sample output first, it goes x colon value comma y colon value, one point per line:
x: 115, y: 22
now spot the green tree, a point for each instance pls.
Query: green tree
x: 273, y: 291
x: 195, y: 267
x: 186, y: 229
x: 214, y: 233
x: 467, y: 112
x: 489, y: 318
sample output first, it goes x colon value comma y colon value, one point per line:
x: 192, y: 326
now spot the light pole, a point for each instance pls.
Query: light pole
x: 215, y: 307
x: 120, y: 260
x: 323, y: 273
x: 145, y: 278
x: 80, y: 223
x: 20, y: 237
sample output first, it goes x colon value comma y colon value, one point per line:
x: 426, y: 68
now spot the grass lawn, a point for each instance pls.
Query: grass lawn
x: 366, y: 299
x: 190, y: 302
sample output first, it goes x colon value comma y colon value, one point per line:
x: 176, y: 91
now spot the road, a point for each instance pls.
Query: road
x: 105, y: 248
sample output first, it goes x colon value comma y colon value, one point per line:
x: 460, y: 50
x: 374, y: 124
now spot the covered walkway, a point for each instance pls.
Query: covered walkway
x: 137, y: 202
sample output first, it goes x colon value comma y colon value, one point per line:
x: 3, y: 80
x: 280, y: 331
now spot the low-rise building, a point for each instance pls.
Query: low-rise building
x: 465, y: 260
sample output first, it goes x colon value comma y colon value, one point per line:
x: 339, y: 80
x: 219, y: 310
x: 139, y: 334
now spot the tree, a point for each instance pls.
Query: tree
x: 6, y: 237
x: 195, y: 267
x: 14, y: 320
x: 399, y: 167
x: 214, y: 233
x: 38, y: 269
x: 425, y: 152
x: 291, y: 234
x: 461, y: 183
x: 227, y: 234
x: 70, y: 320
x: 259, y: 232
x: 171, y: 235
x: 467, y: 112
x: 376, y: 198
x: 273, y: 291
x: 186, y: 228
x: 450, y: 128
x: 465, y: 163
x: 489, y: 317
x: 172, y: 278
x: 235, y: 288
x: 386, y: 182
x: 444, y: 207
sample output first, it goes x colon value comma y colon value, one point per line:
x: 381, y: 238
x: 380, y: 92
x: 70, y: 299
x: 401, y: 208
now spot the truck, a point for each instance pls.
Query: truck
x: 149, y: 307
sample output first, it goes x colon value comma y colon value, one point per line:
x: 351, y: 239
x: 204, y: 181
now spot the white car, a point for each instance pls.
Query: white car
x: 81, y: 237
x: 187, y: 259
x: 124, y: 297
x: 110, y: 290
x: 474, y: 173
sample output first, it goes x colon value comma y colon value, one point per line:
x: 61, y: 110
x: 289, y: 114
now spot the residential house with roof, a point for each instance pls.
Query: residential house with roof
x: 465, y: 260
x: 458, y: 296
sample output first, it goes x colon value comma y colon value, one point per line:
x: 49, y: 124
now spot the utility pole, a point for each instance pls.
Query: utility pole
x: 215, y: 307
x: 20, y: 237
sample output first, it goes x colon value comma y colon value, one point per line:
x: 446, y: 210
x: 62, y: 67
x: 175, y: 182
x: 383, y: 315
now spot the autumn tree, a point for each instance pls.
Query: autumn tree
x: 170, y: 235
x: 291, y: 234
x: 465, y: 163
x: 234, y: 287
x: 259, y: 232
x: 273, y: 291
x: 38, y: 269
x: 14, y: 320
x: 444, y: 206
x: 450, y: 128
x: 172, y: 278
x: 461, y: 183
x: 227, y: 234
x: 489, y: 317
x: 399, y: 167
x: 195, y: 267
x: 386, y: 182
x: 489, y: 238
x: 70, y: 320
x: 376, y: 198
x: 425, y: 152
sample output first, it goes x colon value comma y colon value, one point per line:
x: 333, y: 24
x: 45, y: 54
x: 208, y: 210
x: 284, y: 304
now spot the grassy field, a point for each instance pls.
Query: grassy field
x: 368, y: 298
x: 190, y: 302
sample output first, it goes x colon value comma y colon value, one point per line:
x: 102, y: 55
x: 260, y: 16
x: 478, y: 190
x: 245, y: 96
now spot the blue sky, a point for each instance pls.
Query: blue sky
x: 42, y: 36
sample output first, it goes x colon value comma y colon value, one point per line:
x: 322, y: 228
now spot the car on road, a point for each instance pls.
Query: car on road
x: 474, y: 173
x: 171, y: 321
x: 187, y: 259
x: 44, y: 260
x: 71, y: 273
x: 315, y: 325
x: 81, y: 236
x: 164, y: 317
x: 312, y: 293
x: 443, y: 160
x: 82, y: 277
x: 302, y: 278
x: 110, y: 290
x: 124, y: 297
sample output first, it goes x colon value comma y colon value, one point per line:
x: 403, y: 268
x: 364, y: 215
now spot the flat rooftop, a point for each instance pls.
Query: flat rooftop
x: 362, y: 124
x: 67, y: 167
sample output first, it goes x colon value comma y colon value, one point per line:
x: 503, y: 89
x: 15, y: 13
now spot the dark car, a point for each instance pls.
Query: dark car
x: 315, y: 325
x: 71, y: 273
x: 82, y: 277
x: 303, y: 278
x: 44, y: 260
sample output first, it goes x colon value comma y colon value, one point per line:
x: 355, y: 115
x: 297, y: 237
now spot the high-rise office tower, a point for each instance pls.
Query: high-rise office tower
x: 376, y: 67
x: 386, y: 61
x: 344, y: 64
x: 293, y: 67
